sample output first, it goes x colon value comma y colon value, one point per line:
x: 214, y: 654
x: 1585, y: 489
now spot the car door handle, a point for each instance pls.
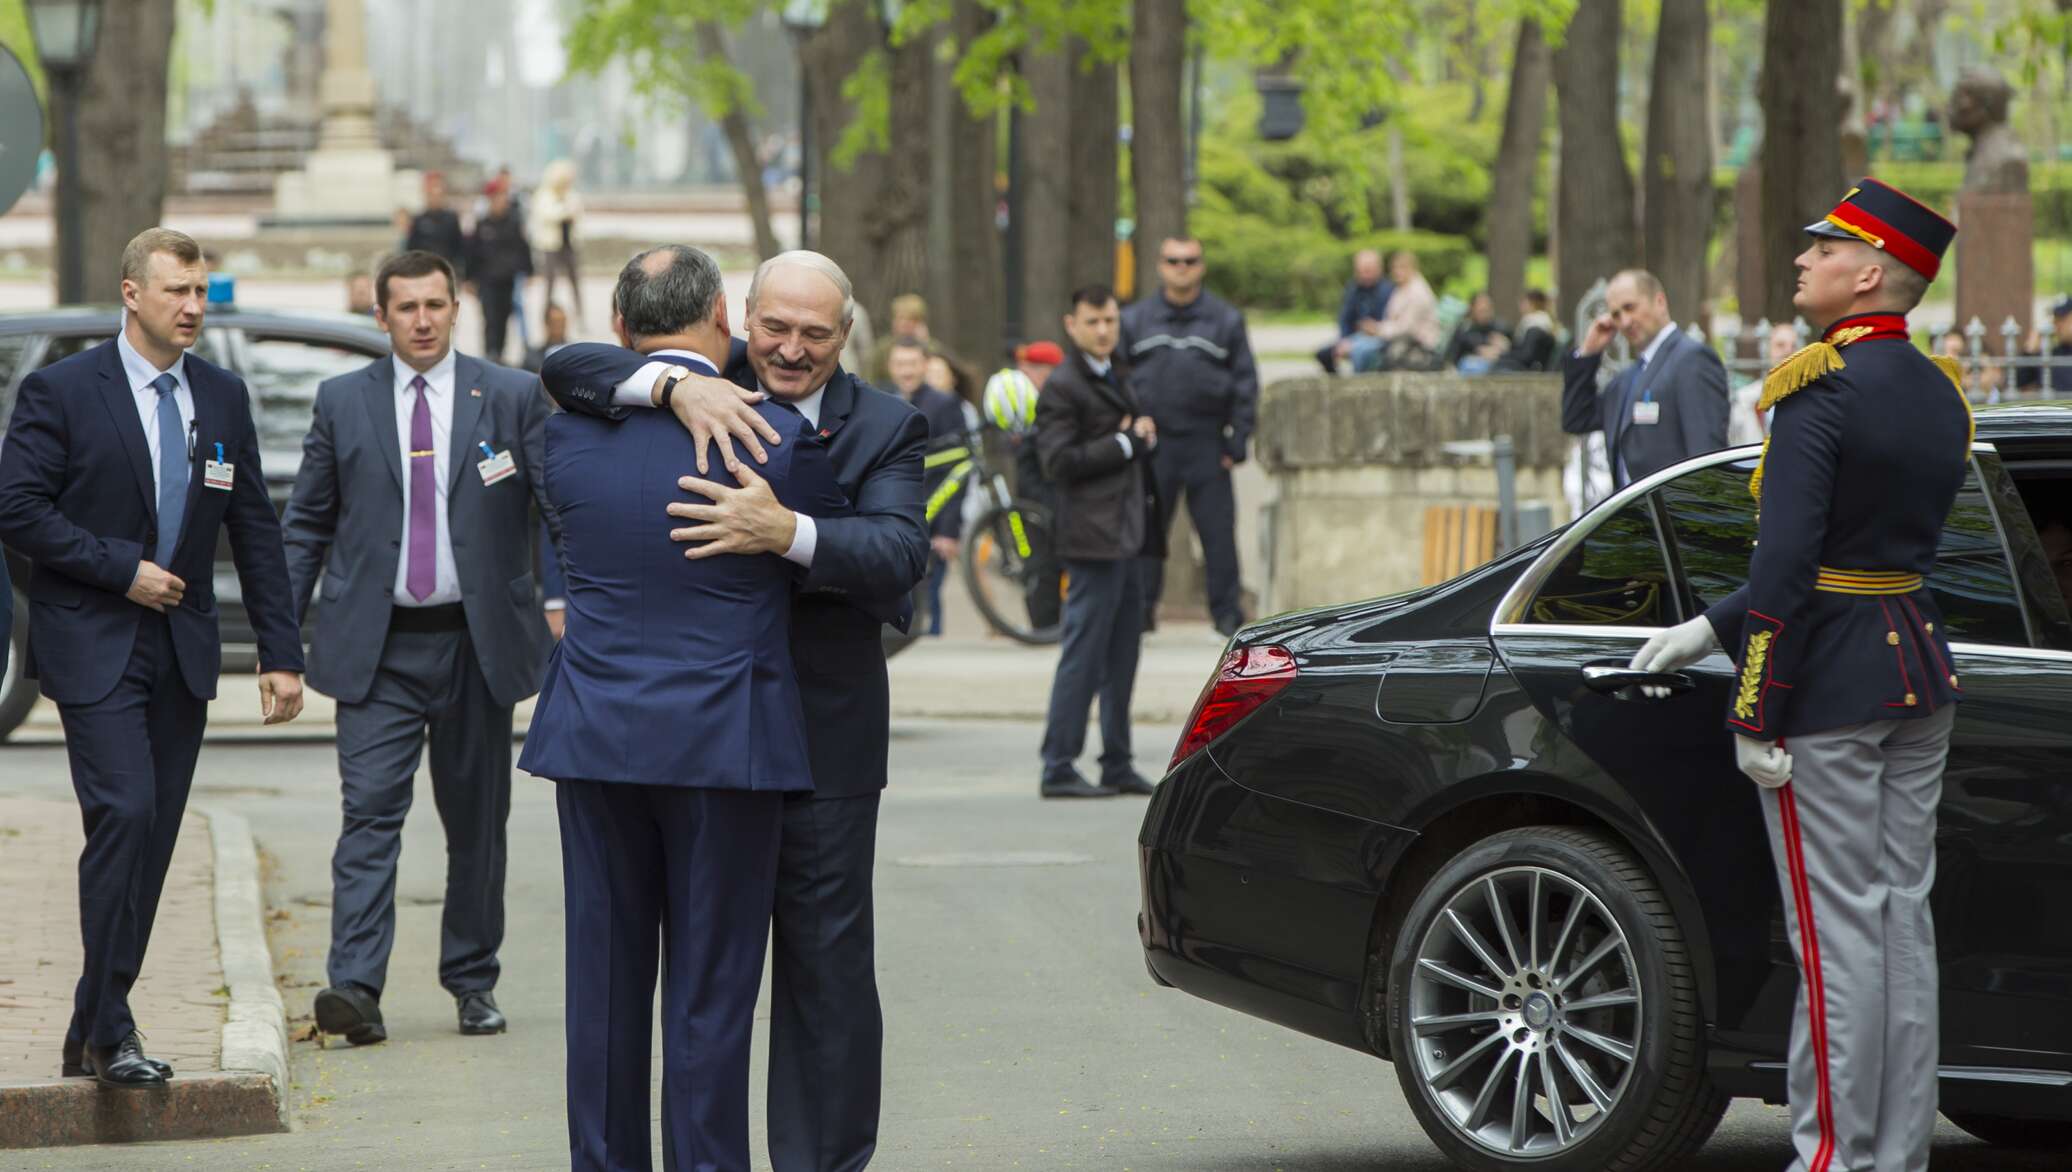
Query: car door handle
x: 1608, y: 677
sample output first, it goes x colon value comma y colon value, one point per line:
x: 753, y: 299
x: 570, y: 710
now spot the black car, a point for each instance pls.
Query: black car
x: 1390, y: 824
x: 282, y: 357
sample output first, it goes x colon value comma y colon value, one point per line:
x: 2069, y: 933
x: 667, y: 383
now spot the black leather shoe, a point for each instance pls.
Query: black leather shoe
x: 352, y: 1013
x: 1130, y: 782
x: 123, y: 1066
x: 479, y: 1014
x: 1073, y: 784
x: 75, y: 1059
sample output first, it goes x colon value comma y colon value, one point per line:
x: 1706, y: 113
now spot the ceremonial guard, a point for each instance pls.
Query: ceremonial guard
x: 1844, y: 694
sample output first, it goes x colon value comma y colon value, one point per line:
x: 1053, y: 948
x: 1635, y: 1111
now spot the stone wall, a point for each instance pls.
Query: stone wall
x: 1356, y: 461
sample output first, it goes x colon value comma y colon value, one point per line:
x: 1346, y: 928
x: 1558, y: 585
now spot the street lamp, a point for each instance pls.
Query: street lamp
x: 803, y: 18
x: 65, y: 33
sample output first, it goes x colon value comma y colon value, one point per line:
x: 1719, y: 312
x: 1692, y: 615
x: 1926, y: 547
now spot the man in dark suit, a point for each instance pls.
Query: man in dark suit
x: 826, y: 1032
x: 6, y: 617
x: 413, y: 509
x: 121, y: 465
x: 1670, y: 405
x: 1096, y: 444
x: 700, y: 647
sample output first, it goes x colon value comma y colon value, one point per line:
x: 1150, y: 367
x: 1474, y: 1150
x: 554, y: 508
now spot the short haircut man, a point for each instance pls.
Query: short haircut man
x: 1669, y: 405
x: 655, y: 299
x: 414, y: 263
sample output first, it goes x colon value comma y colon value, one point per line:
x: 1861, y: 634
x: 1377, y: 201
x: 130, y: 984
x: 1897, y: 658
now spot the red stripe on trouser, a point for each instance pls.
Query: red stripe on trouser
x: 1809, y: 965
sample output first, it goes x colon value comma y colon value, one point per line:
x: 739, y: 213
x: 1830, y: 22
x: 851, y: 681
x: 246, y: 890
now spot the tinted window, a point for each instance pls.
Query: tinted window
x: 1712, y: 519
x: 66, y: 345
x: 283, y: 373
x: 12, y: 347
x: 1615, y: 577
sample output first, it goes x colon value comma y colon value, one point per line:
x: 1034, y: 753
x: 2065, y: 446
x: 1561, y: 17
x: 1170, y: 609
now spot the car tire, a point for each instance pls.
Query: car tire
x: 1615, y: 979
x: 2036, y: 1135
x: 17, y: 690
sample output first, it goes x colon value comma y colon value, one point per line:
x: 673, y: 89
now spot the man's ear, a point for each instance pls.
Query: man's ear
x: 719, y: 314
x: 619, y: 331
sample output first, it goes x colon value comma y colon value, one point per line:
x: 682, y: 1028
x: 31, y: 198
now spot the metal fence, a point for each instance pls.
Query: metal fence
x: 1996, y: 370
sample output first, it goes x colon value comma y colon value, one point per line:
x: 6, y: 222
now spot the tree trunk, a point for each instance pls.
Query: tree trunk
x: 1517, y: 165
x: 964, y: 257
x: 1595, y: 224
x: 1043, y: 203
x: 1096, y: 183
x: 1802, y: 172
x: 712, y: 44
x: 1678, y: 177
x: 122, y: 161
x: 1158, y: 139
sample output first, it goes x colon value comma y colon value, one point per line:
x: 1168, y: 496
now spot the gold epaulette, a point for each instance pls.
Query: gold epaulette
x: 1792, y: 375
x: 1955, y: 369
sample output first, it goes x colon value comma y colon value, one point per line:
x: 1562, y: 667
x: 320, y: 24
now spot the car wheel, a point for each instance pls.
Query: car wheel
x: 2041, y: 1135
x: 17, y: 690
x: 1543, y: 1012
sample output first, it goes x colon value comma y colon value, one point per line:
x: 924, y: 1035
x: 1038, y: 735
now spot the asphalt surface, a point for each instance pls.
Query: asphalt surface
x: 1022, y: 1030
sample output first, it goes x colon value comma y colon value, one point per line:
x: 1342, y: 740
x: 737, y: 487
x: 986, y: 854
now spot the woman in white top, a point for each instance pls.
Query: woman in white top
x: 551, y: 227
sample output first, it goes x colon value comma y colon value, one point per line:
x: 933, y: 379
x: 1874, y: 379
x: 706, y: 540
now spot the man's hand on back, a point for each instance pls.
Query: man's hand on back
x: 748, y: 519
x: 712, y: 409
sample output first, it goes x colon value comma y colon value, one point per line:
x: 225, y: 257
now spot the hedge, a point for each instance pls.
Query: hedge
x: 1256, y: 265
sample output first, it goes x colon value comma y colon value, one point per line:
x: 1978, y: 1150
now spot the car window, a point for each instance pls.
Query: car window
x: 12, y: 348
x: 64, y: 346
x: 1713, y: 522
x: 1613, y: 577
x: 283, y: 373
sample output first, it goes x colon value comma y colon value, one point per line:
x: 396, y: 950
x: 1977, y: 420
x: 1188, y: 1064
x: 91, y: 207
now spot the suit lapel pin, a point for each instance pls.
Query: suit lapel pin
x: 824, y: 433
x: 475, y: 392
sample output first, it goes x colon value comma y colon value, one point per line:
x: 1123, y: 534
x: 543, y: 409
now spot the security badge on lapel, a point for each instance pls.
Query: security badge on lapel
x: 1647, y: 412
x: 495, y: 466
x: 218, y: 473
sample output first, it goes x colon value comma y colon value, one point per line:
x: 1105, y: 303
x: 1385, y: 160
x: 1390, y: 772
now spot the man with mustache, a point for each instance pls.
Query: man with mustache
x: 826, y: 1031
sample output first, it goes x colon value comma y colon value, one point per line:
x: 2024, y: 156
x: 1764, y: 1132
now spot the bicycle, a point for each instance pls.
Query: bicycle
x: 1001, y: 555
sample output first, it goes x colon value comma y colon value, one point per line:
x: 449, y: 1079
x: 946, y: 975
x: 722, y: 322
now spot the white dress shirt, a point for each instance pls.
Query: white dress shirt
x: 439, y: 398
x: 639, y: 391
x: 141, y: 373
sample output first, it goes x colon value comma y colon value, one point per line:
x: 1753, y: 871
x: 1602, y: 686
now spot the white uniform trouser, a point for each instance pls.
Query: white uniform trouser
x: 1853, y: 837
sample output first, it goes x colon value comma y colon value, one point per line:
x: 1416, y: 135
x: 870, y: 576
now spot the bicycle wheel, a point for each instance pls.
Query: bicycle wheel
x: 1013, y: 574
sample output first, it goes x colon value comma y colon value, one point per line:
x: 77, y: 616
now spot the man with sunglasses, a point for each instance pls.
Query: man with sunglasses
x: 1191, y: 361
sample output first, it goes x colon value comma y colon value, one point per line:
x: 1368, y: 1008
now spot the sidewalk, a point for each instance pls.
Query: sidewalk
x: 180, y: 1001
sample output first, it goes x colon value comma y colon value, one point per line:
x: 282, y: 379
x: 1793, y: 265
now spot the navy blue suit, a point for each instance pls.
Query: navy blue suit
x: 826, y: 1033
x: 131, y: 684
x: 670, y: 715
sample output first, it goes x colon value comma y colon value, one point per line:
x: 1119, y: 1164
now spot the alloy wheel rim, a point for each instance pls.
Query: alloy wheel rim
x: 1525, y: 1012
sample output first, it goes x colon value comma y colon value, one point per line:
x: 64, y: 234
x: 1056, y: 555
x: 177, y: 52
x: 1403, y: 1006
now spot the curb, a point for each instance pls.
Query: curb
x: 247, y: 1096
x: 255, y: 1028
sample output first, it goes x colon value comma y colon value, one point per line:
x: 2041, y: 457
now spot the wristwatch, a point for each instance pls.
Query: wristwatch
x: 669, y: 388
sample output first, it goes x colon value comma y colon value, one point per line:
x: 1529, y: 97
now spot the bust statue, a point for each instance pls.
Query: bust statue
x: 1997, y: 163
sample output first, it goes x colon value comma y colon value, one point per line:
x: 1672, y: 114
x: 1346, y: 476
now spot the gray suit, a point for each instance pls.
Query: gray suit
x: 399, y: 673
x: 1687, y: 385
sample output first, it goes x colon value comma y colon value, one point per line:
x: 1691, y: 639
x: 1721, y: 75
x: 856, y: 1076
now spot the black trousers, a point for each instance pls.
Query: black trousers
x: 1194, y: 465
x: 1103, y: 633
x: 827, y: 1034
x: 496, y: 295
x: 132, y: 754
x: 427, y: 682
x: 675, y: 880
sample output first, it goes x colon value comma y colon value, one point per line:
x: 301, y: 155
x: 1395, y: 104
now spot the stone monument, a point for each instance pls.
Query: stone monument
x: 1996, y: 221
x: 350, y: 179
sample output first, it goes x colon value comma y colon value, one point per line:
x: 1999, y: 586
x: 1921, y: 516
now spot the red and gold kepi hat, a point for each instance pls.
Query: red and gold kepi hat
x: 1890, y: 220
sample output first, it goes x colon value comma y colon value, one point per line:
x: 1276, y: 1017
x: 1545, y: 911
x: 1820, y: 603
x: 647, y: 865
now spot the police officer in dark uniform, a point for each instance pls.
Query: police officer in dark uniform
x: 1841, y: 653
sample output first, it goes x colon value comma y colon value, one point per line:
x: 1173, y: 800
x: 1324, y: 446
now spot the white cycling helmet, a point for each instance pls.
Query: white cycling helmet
x: 1009, y: 402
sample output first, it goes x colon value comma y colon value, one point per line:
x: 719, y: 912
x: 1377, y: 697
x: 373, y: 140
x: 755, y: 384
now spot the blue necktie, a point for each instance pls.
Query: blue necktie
x: 172, y: 470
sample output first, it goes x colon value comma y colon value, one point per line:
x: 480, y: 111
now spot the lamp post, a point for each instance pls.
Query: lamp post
x: 803, y: 18
x: 65, y: 33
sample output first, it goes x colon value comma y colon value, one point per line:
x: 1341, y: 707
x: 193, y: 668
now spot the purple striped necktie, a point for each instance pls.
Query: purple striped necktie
x: 424, y: 499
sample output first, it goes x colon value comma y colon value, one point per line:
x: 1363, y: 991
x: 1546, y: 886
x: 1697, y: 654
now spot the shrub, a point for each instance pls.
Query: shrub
x: 1254, y: 264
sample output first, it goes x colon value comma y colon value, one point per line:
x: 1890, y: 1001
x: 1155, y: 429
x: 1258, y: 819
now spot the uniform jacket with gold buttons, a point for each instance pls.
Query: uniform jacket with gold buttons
x: 1868, y: 447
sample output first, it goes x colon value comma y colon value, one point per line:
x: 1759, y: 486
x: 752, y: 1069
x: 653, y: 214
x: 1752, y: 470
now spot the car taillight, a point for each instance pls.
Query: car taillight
x: 1247, y: 678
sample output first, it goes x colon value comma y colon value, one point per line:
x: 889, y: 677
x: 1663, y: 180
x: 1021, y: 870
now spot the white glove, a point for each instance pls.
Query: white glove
x: 1673, y: 650
x: 1766, y: 764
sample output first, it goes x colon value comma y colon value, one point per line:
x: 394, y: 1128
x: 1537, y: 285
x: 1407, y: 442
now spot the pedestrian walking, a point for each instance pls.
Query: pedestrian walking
x: 1096, y: 440
x: 122, y: 466
x: 1360, y: 310
x: 436, y: 228
x: 1009, y: 404
x: 498, y: 262
x: 412, y: 512
x: 1670, y: 405
x: 826, y: 1028
x: 551, y: 226
x: 671, y: 839
x: 1191, y: 360
x: 1844, y: 695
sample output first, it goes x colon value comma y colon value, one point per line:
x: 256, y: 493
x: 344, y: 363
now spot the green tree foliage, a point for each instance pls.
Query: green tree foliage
x: 657, y: 41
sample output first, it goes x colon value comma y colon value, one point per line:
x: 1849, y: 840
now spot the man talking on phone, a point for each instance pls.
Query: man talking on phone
x: 1670, y: 405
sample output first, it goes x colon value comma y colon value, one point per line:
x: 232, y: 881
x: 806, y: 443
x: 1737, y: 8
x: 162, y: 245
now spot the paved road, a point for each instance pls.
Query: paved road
x: 1022, y: 1030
